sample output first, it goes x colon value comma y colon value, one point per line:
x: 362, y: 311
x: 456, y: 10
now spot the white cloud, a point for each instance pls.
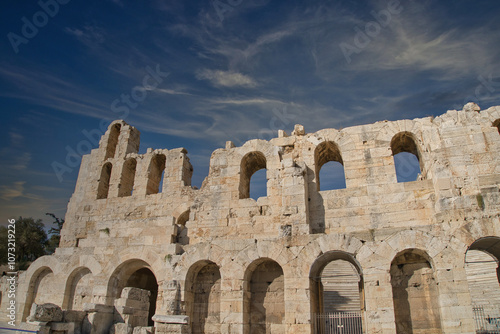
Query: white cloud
x: 8, y: 192
x: 226, y: 78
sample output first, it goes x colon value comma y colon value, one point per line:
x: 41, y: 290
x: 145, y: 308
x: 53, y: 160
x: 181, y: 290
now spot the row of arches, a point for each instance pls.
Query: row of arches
x: 336, y: 285
x: 329, y: 166
x: 156, y: 174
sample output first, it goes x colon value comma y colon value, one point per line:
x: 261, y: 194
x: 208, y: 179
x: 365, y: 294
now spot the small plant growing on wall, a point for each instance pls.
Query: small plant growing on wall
x: 480, y: 201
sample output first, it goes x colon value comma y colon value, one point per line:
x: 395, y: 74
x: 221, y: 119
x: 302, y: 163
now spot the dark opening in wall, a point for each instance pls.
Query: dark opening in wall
x: 156, y: 171
x: 251, y: 163
x: 103, y: 187
x: 112, y: 141
x: 127, y: 178
x: 145, y: 279
x: 329, y: 167
x: 406, y: 157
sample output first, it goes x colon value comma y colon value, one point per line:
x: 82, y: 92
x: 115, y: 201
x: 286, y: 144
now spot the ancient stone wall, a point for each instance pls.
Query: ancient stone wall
x: 217, y: 261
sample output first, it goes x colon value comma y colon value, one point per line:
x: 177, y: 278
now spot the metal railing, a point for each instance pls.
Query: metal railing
x: 486, y: 324
x: 338, y: 323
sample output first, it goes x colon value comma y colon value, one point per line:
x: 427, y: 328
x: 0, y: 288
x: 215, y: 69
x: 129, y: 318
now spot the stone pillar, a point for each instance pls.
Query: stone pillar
x: 295, y: 208
x: 379, y: 306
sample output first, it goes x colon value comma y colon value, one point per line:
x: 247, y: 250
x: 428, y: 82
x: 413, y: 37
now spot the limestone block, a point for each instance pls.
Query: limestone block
x: 136, y: 294
x: 171, y: 319
x: 65, y: 327
x: 45, y: 312
x: 73, y: 316
x: 121, y: 328
x: 143, y: 330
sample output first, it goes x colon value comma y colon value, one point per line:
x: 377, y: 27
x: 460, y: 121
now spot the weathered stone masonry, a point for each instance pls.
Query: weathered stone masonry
x: 214, y: 260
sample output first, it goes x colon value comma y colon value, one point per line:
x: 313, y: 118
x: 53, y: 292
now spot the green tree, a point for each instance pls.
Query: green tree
x: 55, y: 233
x: 30, y: 241
x: 3, y: 244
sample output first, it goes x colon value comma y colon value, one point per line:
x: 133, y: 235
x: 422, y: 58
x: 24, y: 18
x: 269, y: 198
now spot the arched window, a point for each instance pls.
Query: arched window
x: 329, y: 167
x: 415, y: 293
x: 156, y: 174
x: 251, y: 163
x: 406, y: 157
x: 127, y: 178
x: 112, y: 141
x: 497, y: 124
x: 103, y: 187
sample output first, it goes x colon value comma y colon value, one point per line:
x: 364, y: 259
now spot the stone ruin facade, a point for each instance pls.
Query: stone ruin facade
x: 142, y: 251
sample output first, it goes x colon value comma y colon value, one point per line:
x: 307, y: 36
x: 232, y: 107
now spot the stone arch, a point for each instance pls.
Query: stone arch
x: 483, y: 273
x: 134, y: 273
x: 264, y: 301
x: 103, y: 187
x: 39, y: 284
x: 327, y: 152
x: 415, y: 293
x: 336, y: 286
x: 250, y: 163
x: 78, y: 289
x: 156, y: 173
x: 406, y: 166
x: 416, y: 239
x: 202, y: 297
x: 114, y: 133
x: 127, y: 179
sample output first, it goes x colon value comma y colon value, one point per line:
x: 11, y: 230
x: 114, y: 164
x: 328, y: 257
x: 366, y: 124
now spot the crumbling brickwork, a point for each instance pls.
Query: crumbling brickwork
x: 216, y: 261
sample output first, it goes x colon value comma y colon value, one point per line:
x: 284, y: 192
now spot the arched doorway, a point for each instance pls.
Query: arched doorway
x: 203, y: 288
x: 264, y: 302
x: 337, y: 296
x: 135, y: 274
x: 78, y: 289
x: 415, y: 294
x: 482, y: 270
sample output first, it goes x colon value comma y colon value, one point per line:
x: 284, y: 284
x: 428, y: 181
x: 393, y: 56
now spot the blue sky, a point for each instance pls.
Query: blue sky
x: 226, y: 70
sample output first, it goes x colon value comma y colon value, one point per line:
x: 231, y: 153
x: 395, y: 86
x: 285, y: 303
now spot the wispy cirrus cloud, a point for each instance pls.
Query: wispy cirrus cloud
x: 226, y: 78
x: 11, y: 191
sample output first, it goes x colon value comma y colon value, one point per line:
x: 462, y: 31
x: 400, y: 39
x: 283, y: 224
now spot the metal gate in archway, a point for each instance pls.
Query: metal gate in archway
x: 338, y: 323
